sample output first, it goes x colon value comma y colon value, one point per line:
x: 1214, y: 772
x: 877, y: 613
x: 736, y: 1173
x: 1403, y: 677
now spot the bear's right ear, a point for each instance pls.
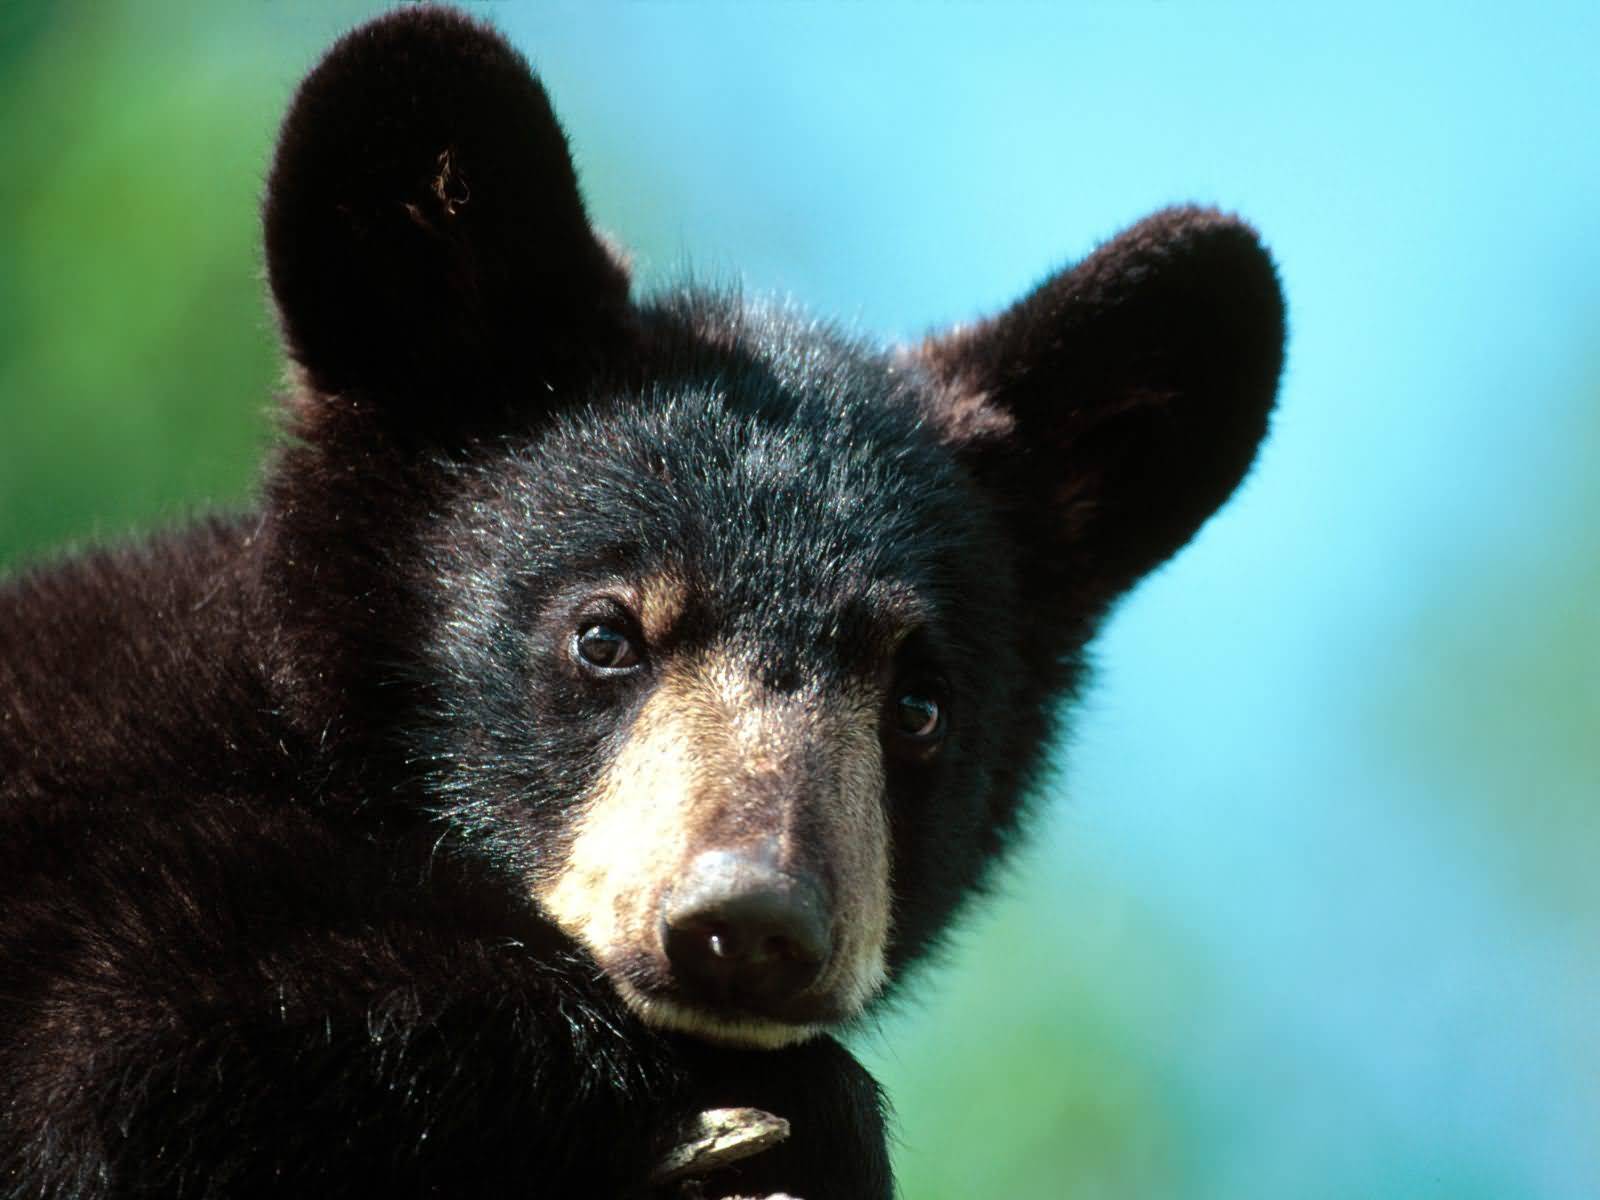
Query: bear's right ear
x: 426, y: 242
x: 1112, y: 410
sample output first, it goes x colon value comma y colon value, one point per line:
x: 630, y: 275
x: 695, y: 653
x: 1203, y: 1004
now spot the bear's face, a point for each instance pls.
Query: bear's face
x: 729, y: 645
x: 733, y: 631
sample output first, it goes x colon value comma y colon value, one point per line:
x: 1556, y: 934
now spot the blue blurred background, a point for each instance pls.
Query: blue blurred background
x: 1315, y: 909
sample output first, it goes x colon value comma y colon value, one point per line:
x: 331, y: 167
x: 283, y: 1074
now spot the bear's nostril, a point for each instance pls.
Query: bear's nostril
x: 720, y: 939
x: 738, y: 931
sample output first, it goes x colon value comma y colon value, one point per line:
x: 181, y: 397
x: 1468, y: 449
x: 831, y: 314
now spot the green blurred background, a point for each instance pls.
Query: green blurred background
x: 1315, y: 909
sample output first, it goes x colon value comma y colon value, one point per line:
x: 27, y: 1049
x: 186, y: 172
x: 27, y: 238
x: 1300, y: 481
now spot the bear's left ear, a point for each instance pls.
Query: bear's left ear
x: 1113, y: 409
x: 426, y: 242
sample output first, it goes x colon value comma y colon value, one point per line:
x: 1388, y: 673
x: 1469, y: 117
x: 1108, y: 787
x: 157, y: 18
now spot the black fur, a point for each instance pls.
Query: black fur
x: 273, y: 790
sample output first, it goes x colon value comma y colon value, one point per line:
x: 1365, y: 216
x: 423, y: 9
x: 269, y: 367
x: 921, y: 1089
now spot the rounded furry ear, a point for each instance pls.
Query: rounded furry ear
x: 1114, y: 408
x: 426, y: 242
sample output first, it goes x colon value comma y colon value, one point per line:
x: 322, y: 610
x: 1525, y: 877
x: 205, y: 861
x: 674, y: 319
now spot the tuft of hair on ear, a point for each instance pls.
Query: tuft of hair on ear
x: 426, y: 242
x: 1113, y: 409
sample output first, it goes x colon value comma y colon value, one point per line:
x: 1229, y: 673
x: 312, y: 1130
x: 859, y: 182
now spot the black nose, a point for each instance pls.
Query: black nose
x: 739, y: 931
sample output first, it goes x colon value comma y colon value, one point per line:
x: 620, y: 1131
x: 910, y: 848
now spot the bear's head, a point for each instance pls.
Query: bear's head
x: 720, y: 640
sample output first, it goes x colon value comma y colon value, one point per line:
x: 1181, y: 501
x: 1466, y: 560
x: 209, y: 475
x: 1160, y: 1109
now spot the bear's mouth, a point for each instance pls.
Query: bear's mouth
x: 728, y: 1026
x: 742, y: 1009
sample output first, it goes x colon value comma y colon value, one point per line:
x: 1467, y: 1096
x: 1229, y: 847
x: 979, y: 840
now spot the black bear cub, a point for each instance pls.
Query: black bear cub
x: 608, y: 698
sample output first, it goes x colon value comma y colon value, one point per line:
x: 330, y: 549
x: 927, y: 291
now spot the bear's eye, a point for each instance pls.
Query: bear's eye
x: 605, y: 648
x: 918, y: 715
